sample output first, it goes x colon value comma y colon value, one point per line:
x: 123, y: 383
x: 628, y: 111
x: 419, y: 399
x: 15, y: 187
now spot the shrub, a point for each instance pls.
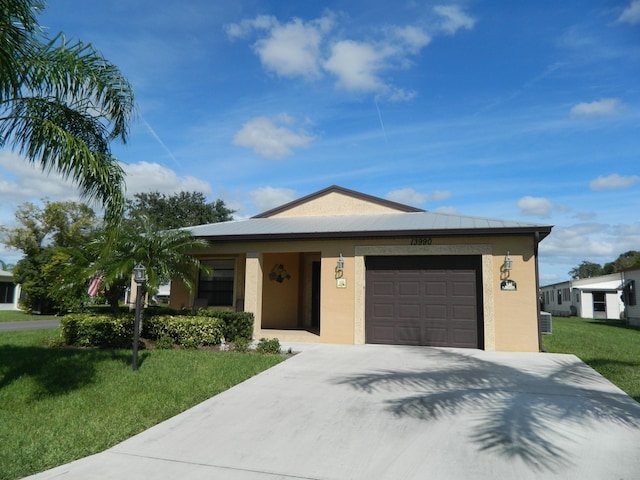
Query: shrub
x: 164, y: 343
x: 86, y: 330
x: 186, y: 331
x: 268, y: 346
x: 236, y: 324
x: 241, y: 344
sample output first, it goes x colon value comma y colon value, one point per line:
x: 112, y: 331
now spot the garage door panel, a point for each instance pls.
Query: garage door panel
x: 381, y: 287
x: 409, y: 288
x: 383, y: 310
x: 409, y: 311
x: 463, y: 312
x: 418, y: 301
x: 383, y: 334
x: 435, y: 289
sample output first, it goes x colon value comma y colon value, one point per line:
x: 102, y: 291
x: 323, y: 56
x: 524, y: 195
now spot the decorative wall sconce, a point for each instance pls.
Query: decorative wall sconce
x: 278, y: 273
x: 340, y: 266
x: 508, y: 263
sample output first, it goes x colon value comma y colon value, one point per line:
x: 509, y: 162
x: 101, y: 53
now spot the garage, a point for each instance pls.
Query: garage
x: 424, y: 300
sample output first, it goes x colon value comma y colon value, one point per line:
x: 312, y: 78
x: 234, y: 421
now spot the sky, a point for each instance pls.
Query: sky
x: 524, y: 111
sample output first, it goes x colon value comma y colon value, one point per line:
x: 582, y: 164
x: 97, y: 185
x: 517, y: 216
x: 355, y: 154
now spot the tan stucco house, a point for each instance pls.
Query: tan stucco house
x: 339, y: 266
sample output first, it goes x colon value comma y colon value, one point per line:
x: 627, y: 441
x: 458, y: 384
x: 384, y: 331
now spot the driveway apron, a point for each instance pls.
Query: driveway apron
x: 393, y: 412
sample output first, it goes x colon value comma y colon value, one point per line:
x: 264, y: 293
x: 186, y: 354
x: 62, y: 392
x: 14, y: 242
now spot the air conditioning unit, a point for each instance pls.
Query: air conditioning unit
x: 545, y: 323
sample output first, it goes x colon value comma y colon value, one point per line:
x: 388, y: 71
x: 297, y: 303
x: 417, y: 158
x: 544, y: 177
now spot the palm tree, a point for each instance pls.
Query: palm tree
x: 166, y: 254
x: 61, y: 105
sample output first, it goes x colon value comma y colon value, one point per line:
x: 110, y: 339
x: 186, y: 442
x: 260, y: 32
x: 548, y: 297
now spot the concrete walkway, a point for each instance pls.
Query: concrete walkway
x: 387, y: 412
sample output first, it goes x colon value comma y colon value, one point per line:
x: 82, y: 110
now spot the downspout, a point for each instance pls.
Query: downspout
x: 536, y: 242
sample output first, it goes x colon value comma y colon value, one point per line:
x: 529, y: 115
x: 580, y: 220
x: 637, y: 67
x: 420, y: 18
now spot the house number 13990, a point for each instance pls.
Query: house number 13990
x: 421, y: 241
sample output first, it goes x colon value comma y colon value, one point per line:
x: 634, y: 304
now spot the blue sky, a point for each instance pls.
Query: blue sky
x: 526, y: 111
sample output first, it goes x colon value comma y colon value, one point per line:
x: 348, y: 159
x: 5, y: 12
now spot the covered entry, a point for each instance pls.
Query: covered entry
x: 424, y: 300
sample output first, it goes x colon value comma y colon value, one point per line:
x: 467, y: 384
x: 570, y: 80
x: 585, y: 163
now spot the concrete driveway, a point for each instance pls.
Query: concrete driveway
x: 387, y: 412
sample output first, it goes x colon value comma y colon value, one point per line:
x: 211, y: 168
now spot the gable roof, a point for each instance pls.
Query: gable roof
x: 344, y: 192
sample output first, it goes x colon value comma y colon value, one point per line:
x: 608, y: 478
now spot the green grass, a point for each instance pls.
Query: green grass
x: 58, y: 405
x: 20, y: 316
x: 610, y: 348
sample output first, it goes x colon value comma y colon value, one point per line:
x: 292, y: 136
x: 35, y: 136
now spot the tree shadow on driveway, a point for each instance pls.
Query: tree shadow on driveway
x: 517, y: 411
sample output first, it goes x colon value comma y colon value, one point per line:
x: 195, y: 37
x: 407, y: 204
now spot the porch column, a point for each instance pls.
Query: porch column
x: 253, y: 290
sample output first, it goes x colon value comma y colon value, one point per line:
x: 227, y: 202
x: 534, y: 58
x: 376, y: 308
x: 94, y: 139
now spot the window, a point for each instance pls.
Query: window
x: 6, y: 292
x: 217, y: 287
x: 559, y: 297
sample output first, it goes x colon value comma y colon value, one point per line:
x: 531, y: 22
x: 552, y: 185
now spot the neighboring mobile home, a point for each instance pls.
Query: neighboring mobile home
x: 9, y: 291
x: 604, y: 296
x: 339, y: 266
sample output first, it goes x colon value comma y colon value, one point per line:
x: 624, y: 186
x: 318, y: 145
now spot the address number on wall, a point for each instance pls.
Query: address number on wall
x: 421, y: 241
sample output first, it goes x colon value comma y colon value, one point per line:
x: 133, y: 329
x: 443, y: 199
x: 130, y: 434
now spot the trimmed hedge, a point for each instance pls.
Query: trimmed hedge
x: 236, y: 324
x: 89, y: 330
x: 186, y: 331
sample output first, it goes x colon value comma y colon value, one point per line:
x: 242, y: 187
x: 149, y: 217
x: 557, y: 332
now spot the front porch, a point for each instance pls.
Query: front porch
x: 287, y: 335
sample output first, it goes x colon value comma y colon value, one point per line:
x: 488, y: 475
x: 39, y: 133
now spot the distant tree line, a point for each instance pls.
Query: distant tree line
x: 588, y: 269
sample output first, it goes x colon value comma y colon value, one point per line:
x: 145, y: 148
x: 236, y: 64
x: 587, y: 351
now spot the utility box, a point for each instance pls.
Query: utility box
x: 545, y: 323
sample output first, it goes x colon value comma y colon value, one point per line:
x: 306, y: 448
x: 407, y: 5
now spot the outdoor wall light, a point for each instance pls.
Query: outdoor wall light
x: 508, y: 263
x: 340, y: 264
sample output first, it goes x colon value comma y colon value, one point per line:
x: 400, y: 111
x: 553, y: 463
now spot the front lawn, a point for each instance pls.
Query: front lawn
x: 60, y: 404
x: 610, y: 348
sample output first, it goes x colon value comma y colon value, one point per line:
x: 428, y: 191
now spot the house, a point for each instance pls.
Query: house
x: 596, y: 297
x: 339, y: 266
x: 631, y: 279
x: 9, y: 291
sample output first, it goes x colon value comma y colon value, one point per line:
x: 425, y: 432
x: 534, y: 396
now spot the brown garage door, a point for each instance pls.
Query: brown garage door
x: 424, y: 300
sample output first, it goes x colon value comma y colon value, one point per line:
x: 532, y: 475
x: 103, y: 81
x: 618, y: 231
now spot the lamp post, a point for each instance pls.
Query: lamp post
x: 140, y: 277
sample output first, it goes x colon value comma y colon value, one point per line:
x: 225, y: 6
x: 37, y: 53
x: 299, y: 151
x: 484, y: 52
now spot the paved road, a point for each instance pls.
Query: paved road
x: 389, y: 413
x: 31, y: 325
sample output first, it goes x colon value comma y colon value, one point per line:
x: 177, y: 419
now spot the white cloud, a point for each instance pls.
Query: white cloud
x: 266, y: 198
x: 308, y: 49
x: 535, y: 206
x: 453, y: 18
x: 246, y: 26
x: 613, y: 182
x: 595, y: 242
x: 414, y: 38
x: 23, y: 181
x: 151, y: 177
x: 605, y: 106
x: 356, y: 65
x: 631, y: 14
x: 447, y: 210
x: 409, y: 196
x: 292, y: 49
x: 269, y: 140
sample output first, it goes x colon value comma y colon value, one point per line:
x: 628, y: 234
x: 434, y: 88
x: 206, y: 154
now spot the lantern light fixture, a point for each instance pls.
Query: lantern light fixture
x: 508, y: 263
x: 340, y: 264
x: 140, y: 274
